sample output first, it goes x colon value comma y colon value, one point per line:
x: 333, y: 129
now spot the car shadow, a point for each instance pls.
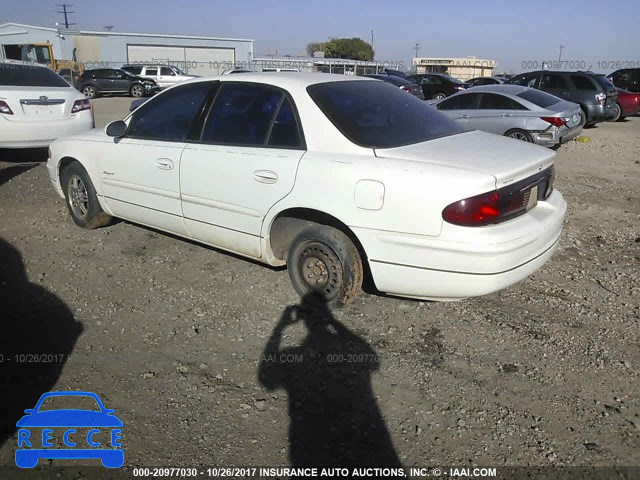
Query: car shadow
x: 38, y: 334
x: 335, y: 420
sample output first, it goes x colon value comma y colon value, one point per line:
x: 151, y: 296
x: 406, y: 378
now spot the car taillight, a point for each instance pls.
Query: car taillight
x: 80, y: 105
x: 406, y: 89
x: 555, y: 121
x: 487, y: 208
x: 601, y: 98
x: 4, y: 108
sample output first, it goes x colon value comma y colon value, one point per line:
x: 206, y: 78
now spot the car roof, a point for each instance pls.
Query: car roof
x: 284, y: 80
x: 499, y: 88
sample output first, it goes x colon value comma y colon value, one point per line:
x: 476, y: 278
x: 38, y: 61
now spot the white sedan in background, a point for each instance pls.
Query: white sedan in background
x: 337, y: 177
x: 38, y: 106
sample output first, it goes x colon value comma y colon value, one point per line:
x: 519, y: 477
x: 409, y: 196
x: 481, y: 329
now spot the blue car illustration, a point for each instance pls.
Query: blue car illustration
x: 111, y: 457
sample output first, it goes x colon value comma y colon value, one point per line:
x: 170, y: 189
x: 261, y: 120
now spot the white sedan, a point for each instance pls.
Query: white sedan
x: 38, y: 106
x: 337, y: 177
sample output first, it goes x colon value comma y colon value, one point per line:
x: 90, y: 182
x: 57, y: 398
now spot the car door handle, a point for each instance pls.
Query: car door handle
x: 265, y: 176
x: 164, y: 164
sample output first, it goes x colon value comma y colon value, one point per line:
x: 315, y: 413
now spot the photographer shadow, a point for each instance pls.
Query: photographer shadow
x: 335, y: 420
x: 37, y: 334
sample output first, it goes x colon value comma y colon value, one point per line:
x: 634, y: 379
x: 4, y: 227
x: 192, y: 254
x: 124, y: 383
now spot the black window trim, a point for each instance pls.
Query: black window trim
x: 213, y: 87
x: 284, y: 94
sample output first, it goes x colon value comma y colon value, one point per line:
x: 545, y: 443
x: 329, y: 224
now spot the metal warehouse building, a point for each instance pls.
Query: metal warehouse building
x: 195, y: 55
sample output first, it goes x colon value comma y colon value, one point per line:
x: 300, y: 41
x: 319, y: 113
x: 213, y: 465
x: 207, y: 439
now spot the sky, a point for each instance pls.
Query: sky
x: 515, y: 33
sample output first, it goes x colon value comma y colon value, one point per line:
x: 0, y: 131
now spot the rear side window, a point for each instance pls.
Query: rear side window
x: 242, y: 114
x: 285, y: 131
x: 30, y: 76
x: 494, y: 101
x: 583, y: 82
x: 379, y: 115
x: 527, y: 80
x: 151, y: 71
x: 553, y: 81
x: 464, y: 101
x: 539, y: 98
x: 169, y: 116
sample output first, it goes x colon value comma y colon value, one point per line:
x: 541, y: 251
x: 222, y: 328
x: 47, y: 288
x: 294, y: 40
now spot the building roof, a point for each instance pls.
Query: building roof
x: 120, y: 34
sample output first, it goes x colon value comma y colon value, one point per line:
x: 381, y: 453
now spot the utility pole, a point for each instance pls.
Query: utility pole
x: 371, y: 39
x: 66, y: 14
x: 560, y: 54
x: 416, y: 48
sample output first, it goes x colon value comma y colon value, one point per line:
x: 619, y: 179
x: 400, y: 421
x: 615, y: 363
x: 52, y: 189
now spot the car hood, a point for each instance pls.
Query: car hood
x: 69, y: 418
x: 505, y: 159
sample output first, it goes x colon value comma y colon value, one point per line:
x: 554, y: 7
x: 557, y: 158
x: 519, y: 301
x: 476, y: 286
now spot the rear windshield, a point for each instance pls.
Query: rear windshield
x: 30, y: 76
x: 378, y: 115
x: 397, y: 81
x: 540, y: 98
x: 605, y: 83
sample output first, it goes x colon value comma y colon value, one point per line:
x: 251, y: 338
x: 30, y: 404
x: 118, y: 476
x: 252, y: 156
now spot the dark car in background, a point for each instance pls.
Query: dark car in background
x: 114, y: 80
x: 627, y: 79
x: 595, y: 95
x: 401, y: 83
x: 482, y: 81
x: 436, y: 86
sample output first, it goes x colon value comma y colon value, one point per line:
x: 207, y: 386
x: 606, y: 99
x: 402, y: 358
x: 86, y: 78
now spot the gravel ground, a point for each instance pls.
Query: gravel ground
x: 176, y: 338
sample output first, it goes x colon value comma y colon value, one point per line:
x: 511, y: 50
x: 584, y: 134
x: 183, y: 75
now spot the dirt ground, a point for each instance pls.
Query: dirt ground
x: 204, y: 363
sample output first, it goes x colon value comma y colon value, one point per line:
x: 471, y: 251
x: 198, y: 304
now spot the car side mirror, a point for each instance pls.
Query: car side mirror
x: 116, y: 129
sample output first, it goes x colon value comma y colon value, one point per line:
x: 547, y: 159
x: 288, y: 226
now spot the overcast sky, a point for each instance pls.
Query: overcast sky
x: 511, y: 32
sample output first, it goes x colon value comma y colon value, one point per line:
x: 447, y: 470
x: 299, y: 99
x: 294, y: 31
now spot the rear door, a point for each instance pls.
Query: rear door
x: 167, y: 77
x: 557, y: 84
x: 496, y: 113
x: 245, y: 162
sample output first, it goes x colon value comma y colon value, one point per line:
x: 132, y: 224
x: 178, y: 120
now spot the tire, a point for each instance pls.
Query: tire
x: 89, y: 91
x: 323, y: 259
x: 439, y: 96
x: 518, y: 134
x: 137, y: 90
x: 81, y: 198
x: 618, y: 116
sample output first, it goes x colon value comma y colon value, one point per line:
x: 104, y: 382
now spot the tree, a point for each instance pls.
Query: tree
x: 349, y: 48
x: 314, y: 47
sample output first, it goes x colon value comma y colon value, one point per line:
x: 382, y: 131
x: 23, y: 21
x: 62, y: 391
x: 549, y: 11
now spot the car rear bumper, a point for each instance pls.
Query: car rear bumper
x: 556, y: 136
x: 36, y: 134
x: 599, y: 113
x: 463, y: 261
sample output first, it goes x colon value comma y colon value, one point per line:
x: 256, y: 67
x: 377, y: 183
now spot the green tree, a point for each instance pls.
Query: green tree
x: 351, y: 48
x: 314, y: 47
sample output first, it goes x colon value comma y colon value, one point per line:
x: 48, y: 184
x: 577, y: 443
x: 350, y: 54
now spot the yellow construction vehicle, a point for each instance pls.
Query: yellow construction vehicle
x: 38, y: 53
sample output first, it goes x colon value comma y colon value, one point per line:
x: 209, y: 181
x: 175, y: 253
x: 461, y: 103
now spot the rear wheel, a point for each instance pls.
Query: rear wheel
x: 81, y: 197
x: 89, y: 91
x: 518, y: 134
x: 323, y: 259
x: 618, y: 115
x: 439, y: 96
x: 137, y: 90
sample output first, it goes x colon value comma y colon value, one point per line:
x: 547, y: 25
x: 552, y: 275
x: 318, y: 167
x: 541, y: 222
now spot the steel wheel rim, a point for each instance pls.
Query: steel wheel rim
x: 519, y: 136
x: 318, y: 269
x: 78, y: 196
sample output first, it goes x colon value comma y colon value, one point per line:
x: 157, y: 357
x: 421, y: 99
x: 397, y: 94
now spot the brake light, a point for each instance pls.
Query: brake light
x: 405, y: 89
x: 4, y: 108
x: 80, y: 105
x: 555, y: 121
x: 486, y: 208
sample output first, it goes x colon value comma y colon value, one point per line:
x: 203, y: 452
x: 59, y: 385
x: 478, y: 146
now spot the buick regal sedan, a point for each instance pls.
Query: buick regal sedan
x: 335, y: 177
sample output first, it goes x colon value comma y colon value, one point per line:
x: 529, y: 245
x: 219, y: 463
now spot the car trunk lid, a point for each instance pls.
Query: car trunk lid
x: 505, y: 159
x: 38, y: 103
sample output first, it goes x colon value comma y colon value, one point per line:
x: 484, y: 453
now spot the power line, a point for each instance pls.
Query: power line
x: 66, y: 13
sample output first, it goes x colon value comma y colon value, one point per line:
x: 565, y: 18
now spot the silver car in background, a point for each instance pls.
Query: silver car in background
x: 514, y: 111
